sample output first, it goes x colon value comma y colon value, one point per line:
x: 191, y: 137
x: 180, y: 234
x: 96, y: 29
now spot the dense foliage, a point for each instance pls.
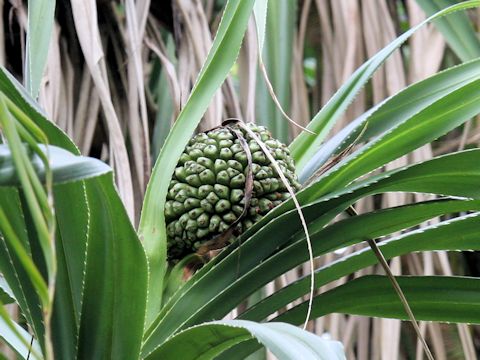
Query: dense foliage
x: 91, y: 285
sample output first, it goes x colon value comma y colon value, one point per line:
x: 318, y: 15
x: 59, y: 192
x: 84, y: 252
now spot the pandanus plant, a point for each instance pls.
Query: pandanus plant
x: 91, y: 286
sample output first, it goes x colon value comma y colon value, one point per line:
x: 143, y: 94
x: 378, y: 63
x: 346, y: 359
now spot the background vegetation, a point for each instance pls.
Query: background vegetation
x: 118, y: 74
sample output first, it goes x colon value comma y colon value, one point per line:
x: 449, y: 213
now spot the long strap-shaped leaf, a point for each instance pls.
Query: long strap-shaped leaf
x: 65, y: 166
x: 444, y: 236
x: 221, y: 58
x: 269, y: 269
x: 18, y: 338
x: 275, y: 35
x: 41, y: 16
x: 67, y: 169
x: 306, y: 145
x: 458, y: 167
x: 113, y: 308
x: 71, y: 241
x: 285, y: 341
x: 347, y: 233
x: 393, y: 111
x: 457, y: 29
x: 423, y: 127
x: 427, y: 125
x: 432, y: 298
x: 6, y: 293
x: 20, y: 97
x: 40, y: 218
x: 16, y: 265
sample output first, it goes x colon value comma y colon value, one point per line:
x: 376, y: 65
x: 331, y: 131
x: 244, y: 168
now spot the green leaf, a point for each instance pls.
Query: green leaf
x: 125, y: 270
x: 451, y: 174
x: 260, y: 12
x: 20, y: 97
x: 457, y: 29
x: 163, y: 100
x: 428, y: 124
x: 113, y: 308
x: 285, y: 341
x: 425, y: 126
x: 6, y: 293
x: 444, y: 236
x: 35, y: 198
x: 19, y: 340
x: 220, y: 60
x: 174, y: 279
x: 71, y: 241
x: 345, y: 233
x: 306, y: 145
x: 277, y: 56
x: 71, y: 248
x: 16, y: 265
x: 393, y: 111
x: 41, y: 16
x: 432, y: 298
x: 65, y: 166
x: 248, y: 350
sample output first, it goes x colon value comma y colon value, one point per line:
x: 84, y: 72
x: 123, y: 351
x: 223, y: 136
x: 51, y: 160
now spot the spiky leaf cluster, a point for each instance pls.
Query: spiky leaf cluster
x: 207, y: 192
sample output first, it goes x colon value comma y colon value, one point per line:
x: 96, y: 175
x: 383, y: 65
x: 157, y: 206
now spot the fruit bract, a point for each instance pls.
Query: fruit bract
x: 209, y: 192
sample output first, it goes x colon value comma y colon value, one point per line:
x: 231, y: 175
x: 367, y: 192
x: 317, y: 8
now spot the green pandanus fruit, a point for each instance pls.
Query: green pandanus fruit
x: 211, y: 194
